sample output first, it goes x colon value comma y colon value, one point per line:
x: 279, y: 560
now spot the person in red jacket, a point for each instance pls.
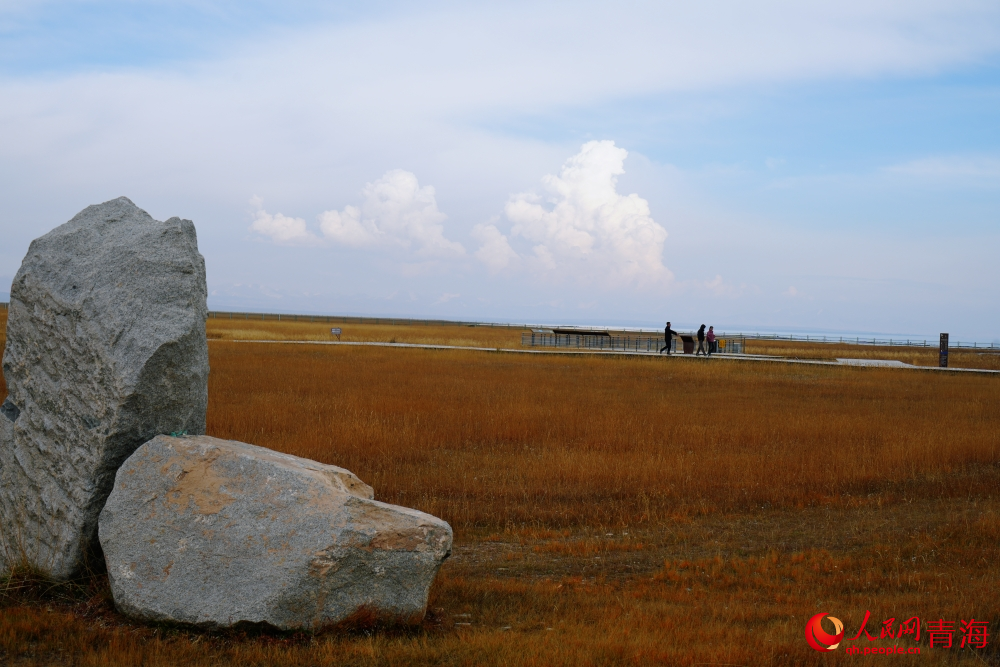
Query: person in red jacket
x: 710, y: 337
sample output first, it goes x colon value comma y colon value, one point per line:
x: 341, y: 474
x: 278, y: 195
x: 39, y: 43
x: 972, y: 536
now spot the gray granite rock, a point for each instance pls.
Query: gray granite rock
x: 105, y: 349
x: 215, y: 533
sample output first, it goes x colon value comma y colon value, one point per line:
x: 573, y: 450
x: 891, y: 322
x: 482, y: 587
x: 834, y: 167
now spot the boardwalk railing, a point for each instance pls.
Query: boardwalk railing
x: 879, y: 342
x: 623, y: 343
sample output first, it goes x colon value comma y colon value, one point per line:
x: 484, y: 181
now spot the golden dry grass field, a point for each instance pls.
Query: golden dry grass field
x: 607, y: 510
x: 434, y: 334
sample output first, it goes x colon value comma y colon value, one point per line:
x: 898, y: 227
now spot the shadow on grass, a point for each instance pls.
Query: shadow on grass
x: 26, y: 585
x: 88, y: 596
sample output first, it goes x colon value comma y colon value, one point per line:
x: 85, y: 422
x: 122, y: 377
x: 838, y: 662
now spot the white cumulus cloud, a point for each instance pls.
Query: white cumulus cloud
x: 280, y: 228
x: 495, y: 251
x: 347, y: 227
x: 396, y: 211
x: 582, y: 226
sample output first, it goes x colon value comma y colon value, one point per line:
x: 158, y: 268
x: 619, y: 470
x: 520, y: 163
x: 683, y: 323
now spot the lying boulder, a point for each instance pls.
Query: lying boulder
x: 216, y: 533
x: 105, y: 349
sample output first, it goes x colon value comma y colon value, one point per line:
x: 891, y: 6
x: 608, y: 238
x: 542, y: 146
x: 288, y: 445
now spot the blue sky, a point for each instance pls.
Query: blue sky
x: 765, y: 166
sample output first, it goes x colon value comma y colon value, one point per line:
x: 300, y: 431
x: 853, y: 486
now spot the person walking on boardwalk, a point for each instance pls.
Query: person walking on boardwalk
x: 668, y: 334
x: 710, y: 339
x: 701, y: 341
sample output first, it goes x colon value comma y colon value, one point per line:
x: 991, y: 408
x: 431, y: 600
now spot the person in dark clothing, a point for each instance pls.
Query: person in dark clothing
x: 701, y: 341
x: 668, y: 334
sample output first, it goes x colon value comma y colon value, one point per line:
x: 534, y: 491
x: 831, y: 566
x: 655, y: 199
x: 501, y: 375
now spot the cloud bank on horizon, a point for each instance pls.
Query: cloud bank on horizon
x: 526, y: 161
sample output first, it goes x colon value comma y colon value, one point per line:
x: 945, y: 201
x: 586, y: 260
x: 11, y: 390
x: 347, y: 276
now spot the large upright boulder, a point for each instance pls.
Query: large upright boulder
x: 216, y: 533
x: 105, y: 349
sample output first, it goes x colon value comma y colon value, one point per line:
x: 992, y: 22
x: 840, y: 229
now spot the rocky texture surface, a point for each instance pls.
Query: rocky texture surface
x: 216, y: 532
x: 105, y: 349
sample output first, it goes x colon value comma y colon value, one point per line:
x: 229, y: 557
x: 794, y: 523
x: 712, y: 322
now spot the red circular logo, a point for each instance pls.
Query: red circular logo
x: 819, y: 638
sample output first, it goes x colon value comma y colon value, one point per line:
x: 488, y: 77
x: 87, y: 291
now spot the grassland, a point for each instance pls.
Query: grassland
x: 916, y: 356
x: 435, y: 334
x: 607, y: 510
x: 502, y: 337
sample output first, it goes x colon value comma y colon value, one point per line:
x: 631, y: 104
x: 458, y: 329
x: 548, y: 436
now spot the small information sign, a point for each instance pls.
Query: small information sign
x: 336, y: 332
x: 943, y: 351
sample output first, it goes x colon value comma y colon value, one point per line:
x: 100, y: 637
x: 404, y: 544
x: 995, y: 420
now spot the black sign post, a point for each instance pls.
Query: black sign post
x: 943, y: 351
